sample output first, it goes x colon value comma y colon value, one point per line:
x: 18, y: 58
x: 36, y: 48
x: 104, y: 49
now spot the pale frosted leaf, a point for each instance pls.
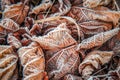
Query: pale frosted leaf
x: 56, y: 39
x: 94, y: 60
x: 94, y: 27
x: 63, y: 62
x: 98, y: 39
x: 33, y: 62
x: 83, y: 14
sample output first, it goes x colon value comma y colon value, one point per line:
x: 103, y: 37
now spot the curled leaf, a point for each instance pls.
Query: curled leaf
x: 94, y: 60
x: 8, y: 62
x: 63, y: 62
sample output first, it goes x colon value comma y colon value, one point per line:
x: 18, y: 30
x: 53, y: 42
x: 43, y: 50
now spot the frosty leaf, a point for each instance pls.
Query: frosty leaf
x: 83, y: 14
x: 17, y: 12
x: 7, y: 26
x: 94, y: 27
x: 56, y: 39
x: 63, y: 62
x: 33, y: 62
x: 62, y: 19
x: 95, y: 3
x: 72, y: 77
x: 8, y: 62
x: 94, y: 60
x: 42, y: 7
x: 97, y: 40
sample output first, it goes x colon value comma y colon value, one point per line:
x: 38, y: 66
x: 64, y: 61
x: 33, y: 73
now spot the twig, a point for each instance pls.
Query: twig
x: 49, y: 9
x: 100, y: 70
x: 116, y: 5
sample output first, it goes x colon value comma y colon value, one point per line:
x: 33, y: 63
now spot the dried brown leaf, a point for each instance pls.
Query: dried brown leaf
x: 62, y: 19
x: 8, y: 62
x: 81, y: 14
x: 97, y: 40
x: 94, y: 60
x: 33, y: 62
x: 56, y: 39
x: 94, y: 27
x: 17, y: 12
x: 7, y: 25
x: 63, y: 62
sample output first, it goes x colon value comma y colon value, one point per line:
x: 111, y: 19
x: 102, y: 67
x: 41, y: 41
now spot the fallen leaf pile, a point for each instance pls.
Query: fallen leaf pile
x: 59, y: 40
